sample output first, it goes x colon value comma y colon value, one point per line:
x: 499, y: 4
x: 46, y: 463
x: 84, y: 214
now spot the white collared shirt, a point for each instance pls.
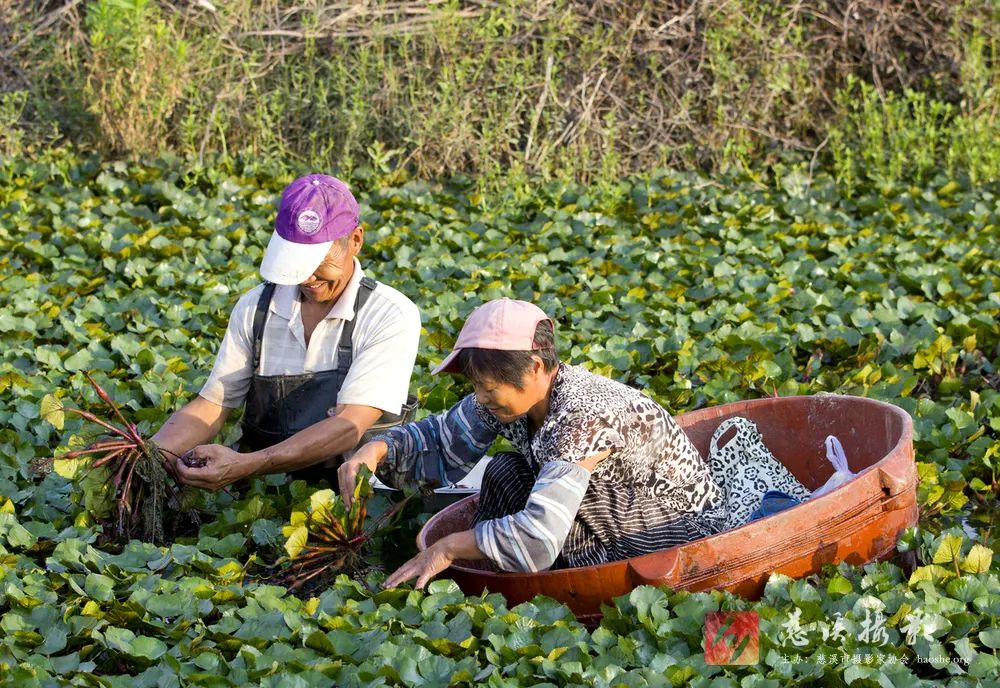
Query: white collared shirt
x: 385, y: 346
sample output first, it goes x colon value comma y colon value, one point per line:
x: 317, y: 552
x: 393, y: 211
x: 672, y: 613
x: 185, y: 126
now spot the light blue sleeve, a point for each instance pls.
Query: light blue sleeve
x: 531, y: 539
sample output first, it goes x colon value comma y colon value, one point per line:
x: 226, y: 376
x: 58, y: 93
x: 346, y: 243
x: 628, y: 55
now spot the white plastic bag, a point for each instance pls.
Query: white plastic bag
x: 835, y: 455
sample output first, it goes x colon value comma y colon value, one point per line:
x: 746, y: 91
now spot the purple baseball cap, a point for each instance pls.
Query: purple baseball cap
x: 315, y: 211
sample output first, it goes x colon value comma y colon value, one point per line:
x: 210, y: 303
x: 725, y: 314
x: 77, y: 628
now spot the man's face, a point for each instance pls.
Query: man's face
x: 329, y: 279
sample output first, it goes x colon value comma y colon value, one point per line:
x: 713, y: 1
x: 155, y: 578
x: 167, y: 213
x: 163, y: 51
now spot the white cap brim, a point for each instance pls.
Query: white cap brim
x: 286, y: 262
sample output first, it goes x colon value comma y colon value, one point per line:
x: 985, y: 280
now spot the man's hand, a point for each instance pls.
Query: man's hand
x: 347, y: 475
x: 221, y: 466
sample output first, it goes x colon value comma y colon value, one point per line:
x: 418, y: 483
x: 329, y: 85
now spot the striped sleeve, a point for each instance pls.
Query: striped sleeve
x: 438, y: 450
x: 531, y: 539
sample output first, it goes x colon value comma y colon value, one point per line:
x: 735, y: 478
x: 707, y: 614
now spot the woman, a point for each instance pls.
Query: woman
x: 601, y: 472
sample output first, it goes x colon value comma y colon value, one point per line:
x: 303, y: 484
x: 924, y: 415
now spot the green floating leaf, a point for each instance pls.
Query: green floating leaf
x: 100, y: 587
x: 67, y: 468
x: 983, y: 666
x: 839, y: 585
x: 171, y: 604
x: 81, y: 360
x: 990, y: 637
x: 149, y: 648
x: 296, y: 541
x: 120, y: 639
x: 931, y: 573
x: 949, y: 550
x: 978, y: 560
x: 55, y: 640
x: 52, y: 412
x: 14, y: 533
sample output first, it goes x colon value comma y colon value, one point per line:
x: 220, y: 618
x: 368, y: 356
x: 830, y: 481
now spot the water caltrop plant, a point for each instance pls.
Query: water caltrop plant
x: 138, y: 474
x: 326, y: 537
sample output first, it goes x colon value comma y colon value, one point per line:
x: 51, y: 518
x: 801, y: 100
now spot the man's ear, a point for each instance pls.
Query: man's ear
x: 357, y: 240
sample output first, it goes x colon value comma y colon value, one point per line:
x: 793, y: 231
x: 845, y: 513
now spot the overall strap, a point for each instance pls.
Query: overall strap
x: 259, y: 318
x: 345, y: 350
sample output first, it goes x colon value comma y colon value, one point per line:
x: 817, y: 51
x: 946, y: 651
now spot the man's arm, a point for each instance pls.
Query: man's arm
x: 195, y: 423
x: 328, y: 437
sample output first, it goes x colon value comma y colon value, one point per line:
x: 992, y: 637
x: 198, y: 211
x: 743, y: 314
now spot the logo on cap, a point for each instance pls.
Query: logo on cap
x: 308, y: 222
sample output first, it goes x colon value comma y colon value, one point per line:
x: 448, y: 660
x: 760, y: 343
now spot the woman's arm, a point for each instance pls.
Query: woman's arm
x: 437, y: 558
x: 529, y: 540
x: 435, y: 450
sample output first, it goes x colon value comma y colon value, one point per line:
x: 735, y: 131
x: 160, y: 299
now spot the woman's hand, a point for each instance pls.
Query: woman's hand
x: 436, y: 559
x: 423, y: 567
x: 347, y: 475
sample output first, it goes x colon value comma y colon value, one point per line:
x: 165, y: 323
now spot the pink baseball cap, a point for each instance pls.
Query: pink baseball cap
x: 502, y: 324
x: 315, y: 211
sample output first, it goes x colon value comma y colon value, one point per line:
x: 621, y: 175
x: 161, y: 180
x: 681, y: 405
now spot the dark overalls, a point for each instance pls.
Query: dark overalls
x: 279, y: 406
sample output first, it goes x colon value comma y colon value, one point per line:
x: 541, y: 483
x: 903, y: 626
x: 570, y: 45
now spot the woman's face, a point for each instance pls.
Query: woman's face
x: 506, y: 401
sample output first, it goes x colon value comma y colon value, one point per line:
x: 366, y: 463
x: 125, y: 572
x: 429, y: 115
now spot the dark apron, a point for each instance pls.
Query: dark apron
x: 279, y: 406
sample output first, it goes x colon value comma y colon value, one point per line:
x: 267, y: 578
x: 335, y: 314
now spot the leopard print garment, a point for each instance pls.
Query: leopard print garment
x: 654, y: 490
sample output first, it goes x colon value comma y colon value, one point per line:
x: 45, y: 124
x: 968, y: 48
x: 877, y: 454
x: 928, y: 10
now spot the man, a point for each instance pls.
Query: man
x: 317, y: 354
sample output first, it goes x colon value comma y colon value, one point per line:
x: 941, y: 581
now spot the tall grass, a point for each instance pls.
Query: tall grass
x: 914, y: 135
x: 136, y: 73
x: 508, y: 90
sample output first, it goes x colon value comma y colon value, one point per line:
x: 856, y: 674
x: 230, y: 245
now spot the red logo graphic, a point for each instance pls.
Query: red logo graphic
x: 732, y: 638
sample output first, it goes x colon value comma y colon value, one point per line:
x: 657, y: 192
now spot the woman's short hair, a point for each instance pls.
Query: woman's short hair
x: 510, y: 367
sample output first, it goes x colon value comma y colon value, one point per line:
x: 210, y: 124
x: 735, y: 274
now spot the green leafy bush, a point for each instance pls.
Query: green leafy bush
x: 893, y: 137
x: 136, y: 74
x: 508, y: 90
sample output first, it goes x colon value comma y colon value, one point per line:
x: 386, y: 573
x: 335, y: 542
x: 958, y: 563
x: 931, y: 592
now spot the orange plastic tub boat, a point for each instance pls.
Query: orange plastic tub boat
x: 857, y: 522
